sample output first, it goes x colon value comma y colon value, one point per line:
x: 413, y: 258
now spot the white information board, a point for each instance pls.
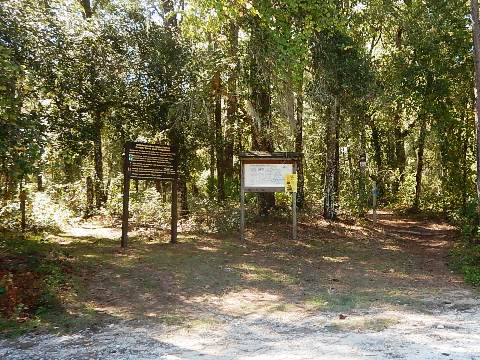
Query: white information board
x: 266, y: 175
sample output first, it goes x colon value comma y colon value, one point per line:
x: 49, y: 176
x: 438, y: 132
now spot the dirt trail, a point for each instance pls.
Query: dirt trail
x: 343, y: 291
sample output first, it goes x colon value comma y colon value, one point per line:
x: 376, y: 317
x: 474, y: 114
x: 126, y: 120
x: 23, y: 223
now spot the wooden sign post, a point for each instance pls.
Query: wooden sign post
x: 268, y: 172
x: 143, y: 161
x: 291, y: 187
x: 23, y: 201
x: 375, y: 193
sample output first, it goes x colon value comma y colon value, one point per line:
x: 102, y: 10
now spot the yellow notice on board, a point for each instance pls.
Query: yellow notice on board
x: 291, y: 183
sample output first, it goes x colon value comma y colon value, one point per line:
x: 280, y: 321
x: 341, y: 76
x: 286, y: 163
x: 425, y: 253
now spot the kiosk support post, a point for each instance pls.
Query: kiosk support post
x: 242, y: 204
x: 294, y: 215
x: 126, y: 196
x: 23, y: 200
x: 294, y: 208
x: 174, y: 215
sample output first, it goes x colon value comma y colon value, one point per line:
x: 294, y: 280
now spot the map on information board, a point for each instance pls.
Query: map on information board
x: 266, y: 175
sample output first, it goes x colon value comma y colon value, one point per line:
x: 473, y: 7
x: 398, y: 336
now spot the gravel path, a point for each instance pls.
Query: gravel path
x: 444, y: 334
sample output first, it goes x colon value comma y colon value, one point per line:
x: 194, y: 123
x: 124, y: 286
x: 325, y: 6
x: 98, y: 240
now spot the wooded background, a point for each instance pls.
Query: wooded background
x: 341, y: 81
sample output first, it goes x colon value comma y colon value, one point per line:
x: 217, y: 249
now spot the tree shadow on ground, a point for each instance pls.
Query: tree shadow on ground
x: 334, y: 266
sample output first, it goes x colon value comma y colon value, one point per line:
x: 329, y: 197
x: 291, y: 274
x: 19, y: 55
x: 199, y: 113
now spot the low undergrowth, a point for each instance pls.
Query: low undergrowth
x: 466, y: 259
x: 35, y: 277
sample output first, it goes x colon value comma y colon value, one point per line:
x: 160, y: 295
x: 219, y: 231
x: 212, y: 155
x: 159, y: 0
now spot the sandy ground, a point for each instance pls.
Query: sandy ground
x: 447, y: 334
x: 257, y: 322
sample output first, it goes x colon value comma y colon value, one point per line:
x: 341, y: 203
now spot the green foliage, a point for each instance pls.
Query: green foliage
x: 466, y: 256
x: 45, y: 211
x: 209, y: 216
x: 74, y: 88
x: 466, y: 220
x: 472, y: 274
x: 33, y: 276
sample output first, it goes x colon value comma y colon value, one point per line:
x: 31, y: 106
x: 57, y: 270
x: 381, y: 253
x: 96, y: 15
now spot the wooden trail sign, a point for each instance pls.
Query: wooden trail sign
x: 143, y: 161
x: 269, y: 172
x: 23, y: 201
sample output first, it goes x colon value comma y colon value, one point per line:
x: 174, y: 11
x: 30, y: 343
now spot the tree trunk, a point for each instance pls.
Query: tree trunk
x: 97, y: 128
x: 464, y: 139
x: 98, y: 162
x: 162, y: 188
x: 352, y: 171
x: 418, y: 175
x: 211, y: 184
x: 39, y: 183
x: 476, y: 47
x: 219, y: 137
x: 232, y: 101
x: 400, y: 156
x: 90, y: 196
x: 260, y: 83
x: 87, y: 8
x: 9, y: 186
x: 184, y: 211
x: 299, y: 147
x: 377, y: 148
x: 377, y: 154
x: 169, y: 16
x: 332, y: 163
x: 362, y: 162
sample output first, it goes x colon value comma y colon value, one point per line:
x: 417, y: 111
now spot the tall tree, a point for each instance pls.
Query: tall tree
x: 261, y: 98
x: 476, y: 47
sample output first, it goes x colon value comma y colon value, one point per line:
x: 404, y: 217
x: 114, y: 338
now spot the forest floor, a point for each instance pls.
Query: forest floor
x: 342, y: 291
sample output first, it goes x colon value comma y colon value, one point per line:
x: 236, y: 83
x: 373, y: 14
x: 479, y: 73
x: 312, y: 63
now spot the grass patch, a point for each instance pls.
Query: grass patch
x: 253, y: 272
x: 172, y: 319
x: 360, y: 324
x: 337, y: 302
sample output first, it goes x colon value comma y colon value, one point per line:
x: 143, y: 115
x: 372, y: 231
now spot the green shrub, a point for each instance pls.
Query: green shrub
x: 32, y: 276
x: 471, y: 274
x: 466, y: 259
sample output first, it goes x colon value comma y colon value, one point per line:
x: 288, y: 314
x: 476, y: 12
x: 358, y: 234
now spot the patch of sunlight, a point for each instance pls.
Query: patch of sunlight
x: 336, y: 259
x: 208, y: 248
x: 47, y: 212
x: 116, y: 311
x: 392, y: 248
x: 59, y: 239
x: 241, y: 302
x: 94, y: 232
x: 257, y: 273
x: 402, y: 275
x: 319, y: 302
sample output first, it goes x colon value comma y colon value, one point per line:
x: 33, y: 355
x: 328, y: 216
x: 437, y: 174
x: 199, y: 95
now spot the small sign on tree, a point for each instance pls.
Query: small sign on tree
x: 143, y: 161
x: 269, y: 172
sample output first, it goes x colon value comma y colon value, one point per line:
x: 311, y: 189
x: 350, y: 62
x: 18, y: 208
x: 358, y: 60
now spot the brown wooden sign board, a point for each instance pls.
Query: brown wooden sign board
x: 265, y: 172
x: 144, y: 161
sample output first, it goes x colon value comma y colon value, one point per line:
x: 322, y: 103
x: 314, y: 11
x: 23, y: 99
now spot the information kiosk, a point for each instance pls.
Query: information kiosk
x: 269, y: 172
